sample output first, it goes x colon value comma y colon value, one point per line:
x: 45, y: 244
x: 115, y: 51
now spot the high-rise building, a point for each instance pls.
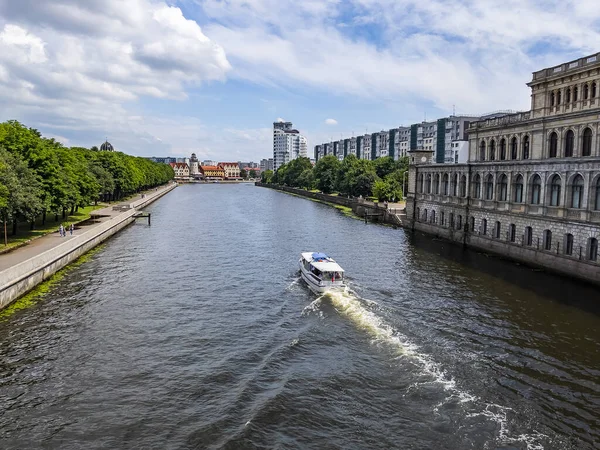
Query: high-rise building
x: 288, y: 144
x: 266, y: 164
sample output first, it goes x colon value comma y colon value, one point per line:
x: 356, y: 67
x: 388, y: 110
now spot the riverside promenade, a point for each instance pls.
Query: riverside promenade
x: 25, y: 267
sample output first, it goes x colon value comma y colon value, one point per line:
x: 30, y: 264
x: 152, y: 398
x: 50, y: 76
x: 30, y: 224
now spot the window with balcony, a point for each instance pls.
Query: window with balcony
x: 553, y: 145
x: 489, y: 188
x: 513, y: 148
x: 503, y: 188
x: 577, y: 192
x: 586, y: 148
x: 536, y: 190
x: 555, y: 187
x: 518, y: 189
x: 569, y: 143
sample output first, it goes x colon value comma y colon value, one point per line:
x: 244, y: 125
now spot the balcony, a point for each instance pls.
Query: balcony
x: 577, y: 214
x: 518, y: 208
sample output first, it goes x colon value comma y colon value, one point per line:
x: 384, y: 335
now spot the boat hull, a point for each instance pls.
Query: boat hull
x: 315, y: 286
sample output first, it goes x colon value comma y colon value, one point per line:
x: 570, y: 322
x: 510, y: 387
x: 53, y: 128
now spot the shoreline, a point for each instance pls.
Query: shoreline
x: 23, y: 276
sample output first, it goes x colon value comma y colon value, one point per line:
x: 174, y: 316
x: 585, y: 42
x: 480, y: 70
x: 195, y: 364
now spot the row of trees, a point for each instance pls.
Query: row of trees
x: 355, y: 177
x: 40, y: 177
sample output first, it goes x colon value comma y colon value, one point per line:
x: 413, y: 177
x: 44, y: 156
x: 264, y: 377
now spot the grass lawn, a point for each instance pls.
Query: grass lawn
x: 24, y: 234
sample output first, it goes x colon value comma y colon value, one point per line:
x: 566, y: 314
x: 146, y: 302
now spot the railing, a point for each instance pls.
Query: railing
x: 576, y: 214
x: 595, y: 216
x: 561, y: 69
x: 501, y: 121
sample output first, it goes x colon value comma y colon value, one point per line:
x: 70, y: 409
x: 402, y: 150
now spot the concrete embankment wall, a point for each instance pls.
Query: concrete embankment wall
x: 531, y: 256
x: 360, y: 207
x: 22, y: 277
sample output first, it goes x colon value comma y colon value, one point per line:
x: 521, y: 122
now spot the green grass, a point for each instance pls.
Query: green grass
x: 37, y: 293
x: 24, y: 234
x: 346, y: 210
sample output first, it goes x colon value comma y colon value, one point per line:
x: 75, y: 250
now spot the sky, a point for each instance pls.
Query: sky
x: 172, y: 77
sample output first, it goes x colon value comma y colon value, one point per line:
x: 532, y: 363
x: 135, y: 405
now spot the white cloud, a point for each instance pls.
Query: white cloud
x: 80, y: 67
x: 331, y: 122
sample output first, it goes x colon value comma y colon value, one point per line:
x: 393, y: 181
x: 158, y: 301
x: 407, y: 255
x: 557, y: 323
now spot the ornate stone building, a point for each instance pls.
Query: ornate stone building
x: 531, y: 187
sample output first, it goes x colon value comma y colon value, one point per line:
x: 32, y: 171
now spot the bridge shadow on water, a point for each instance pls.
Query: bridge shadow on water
x: 554, y: 286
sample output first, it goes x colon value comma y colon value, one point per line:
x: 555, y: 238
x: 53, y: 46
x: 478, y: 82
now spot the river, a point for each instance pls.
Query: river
x: 196, y: 332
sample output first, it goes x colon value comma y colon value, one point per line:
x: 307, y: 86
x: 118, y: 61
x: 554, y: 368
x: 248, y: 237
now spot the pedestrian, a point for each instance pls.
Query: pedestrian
x: 71, y: 228
x: 61, y: 230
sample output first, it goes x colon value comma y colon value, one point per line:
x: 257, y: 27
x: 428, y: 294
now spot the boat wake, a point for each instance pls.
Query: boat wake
x: 362, y: 313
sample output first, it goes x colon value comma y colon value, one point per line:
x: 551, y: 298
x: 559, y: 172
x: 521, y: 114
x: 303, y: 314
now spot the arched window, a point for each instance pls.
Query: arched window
x: 463, y: 186
x: 502, y: 149
x: 433, y: 216
x: 553, y: 145
x: 586, y: 149
x: 577, y: 192
x: 526, y: 147
x: 428, y: 184
x: 513, y: 148
x: 451, y: 220
x: 482, y: 151
x: 536, y: 190
x: 552, y: 98
x: 594, y: 89
x: 555, y: 190
x: 477, y: 187
x: 569, y: 143
x: 455, y: 184
x: 518, y: 189
x: 547, y: 240
x: 459, y: 222
x: 492, y: 150
x: 568, y: 245
x: 575, y: 93
x: 568, y: 95
x: 420, y: 184
x: 436, y: 183
x: 597, y: 195
x: 586, y: 91
x: 489, y: 187
x: 512, y: 232
x: 497, y: 229
x: 503, y: 188
x: 472, y: 219
x: 558, y: 97
x: 442, y: 218
x: 425, y: 215
x: 483, y: 226
x: 528, y: 236
x: 593, y: 249
x: 445, y: 184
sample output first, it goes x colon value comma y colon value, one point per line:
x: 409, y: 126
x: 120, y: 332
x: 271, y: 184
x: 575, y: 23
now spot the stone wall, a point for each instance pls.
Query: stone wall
x: 22, y: 277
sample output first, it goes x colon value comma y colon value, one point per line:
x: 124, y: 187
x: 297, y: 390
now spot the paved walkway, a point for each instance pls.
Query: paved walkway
x: 42, y: 244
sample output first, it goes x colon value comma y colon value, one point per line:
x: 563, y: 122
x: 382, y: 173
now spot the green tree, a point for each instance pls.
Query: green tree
x: 243, y: 174
x: 384, y: 166
x: 306, y: 179
x: 325, y: 173
x: 252, y: 173
x: 266, y: 176
x: 294, y: 169
x: 387, y: 190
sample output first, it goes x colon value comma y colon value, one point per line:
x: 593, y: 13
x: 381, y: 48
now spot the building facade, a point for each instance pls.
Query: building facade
x: 288, y: 144
x: 182, y: 170
x: 266, y: 164
x: 531, y: 187
x: 212, y: 172
x: 231, y: 169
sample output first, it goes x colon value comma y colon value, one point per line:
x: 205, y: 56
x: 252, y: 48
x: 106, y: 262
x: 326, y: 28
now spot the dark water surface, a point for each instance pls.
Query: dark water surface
x: 197, y: 333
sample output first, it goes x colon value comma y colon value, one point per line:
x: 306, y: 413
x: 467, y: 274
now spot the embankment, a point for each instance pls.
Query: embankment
x: 24, y: 276
x: 374, y: 212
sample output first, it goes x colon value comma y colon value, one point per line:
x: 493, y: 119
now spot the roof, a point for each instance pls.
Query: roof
x: 211, y: 168
x: 228, y: 164
x: 322, y: 262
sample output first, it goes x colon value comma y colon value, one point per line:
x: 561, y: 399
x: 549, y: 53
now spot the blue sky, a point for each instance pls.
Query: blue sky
x: 172, y: 77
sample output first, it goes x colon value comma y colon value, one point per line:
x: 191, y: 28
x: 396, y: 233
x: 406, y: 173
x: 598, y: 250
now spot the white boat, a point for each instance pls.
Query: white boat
x: 321, y: 272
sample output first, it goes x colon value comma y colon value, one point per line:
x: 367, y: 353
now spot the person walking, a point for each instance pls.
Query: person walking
x: 61, y: 230
x: 71, y: 228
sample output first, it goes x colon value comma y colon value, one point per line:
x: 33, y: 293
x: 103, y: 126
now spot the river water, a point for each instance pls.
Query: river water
x: 197, y: 332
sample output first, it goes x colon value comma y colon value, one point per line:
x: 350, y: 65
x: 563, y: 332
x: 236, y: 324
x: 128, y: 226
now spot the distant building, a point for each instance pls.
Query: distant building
x: 107, y: 147
x: 209, y: 162
x: 163, y: 159
x: 288, y: 144
x: 182, y: 170
x: 194, y: 166
x: 266, y: 164
x: 231, y: 169
x: 212, y: 172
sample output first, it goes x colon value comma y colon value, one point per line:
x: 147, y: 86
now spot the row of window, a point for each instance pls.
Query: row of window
x: 527, y: 239
x: 505, y: 153
x: 572, y: 95
x: 484, y: 189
